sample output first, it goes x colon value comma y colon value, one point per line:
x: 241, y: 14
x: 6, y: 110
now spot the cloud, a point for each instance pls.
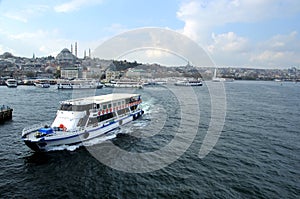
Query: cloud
x: 25, y: 14
x: 35, y: 35
x: 4, y: 49
x: 115, y: 28
x: 26, y: 43
x: 288, y: 42
x: 230, y: 49
x: 228, y: 42
x: 280, y: 50
x: 75, y: 5
x: 200, y: 16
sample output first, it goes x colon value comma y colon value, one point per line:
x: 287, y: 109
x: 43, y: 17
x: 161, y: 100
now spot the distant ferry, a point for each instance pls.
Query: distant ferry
x: 11, y: 83
x: 189, y: 83
x: 125, y: 84
x: 83, y: 119
x: 42, y: 83
x: 78, y: 84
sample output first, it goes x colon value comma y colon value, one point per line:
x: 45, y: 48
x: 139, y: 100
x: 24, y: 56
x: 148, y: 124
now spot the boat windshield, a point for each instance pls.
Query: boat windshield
x: 66, y: 107
x: 70, y: 107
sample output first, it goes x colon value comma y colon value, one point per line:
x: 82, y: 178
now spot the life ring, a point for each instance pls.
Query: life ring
x: 86, y: 135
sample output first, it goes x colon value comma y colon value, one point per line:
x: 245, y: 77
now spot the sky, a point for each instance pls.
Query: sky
x: 245, y: 33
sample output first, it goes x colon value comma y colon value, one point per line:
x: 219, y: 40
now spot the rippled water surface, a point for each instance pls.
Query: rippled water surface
x: 257, y: 154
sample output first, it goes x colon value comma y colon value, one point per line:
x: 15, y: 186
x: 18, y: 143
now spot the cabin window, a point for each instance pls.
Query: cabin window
x: 105, y: 117
x: 109, y: 106
x: 119, y: 103
x: 115, y: 104
x: 98, y: 106
x: 104, y: 106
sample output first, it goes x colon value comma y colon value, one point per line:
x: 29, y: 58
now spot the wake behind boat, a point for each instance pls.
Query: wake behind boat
x: 83, y: 119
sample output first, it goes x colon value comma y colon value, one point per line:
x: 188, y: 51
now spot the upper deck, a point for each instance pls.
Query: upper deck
x: 101, y: 99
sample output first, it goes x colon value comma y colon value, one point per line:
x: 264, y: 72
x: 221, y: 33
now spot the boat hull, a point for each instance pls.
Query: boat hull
x: 44, y: 143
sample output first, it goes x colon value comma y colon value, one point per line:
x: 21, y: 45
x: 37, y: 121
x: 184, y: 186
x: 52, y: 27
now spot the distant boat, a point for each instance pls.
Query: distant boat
x: 219, y: 79
x: 78, y: 84
x: 125, y: 84
x: 41, y: 83
x: 189, y: 83
x: 11, y: 83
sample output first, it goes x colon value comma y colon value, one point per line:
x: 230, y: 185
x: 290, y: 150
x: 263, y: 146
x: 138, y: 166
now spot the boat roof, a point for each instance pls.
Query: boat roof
x: 100, y: 99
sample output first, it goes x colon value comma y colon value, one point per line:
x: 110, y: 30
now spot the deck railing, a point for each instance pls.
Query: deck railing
x: 31, y: 128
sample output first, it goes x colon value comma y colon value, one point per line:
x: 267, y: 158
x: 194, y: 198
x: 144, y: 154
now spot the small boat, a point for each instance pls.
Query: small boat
x: 41, y: 83
x: 5, y: 113
x: 189, y: 83
x: 83, y: 119
x: 125, y: 84
x: 11, y: 83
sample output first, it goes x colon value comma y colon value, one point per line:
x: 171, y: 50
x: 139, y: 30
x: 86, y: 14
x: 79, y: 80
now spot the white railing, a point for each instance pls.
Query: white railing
x: 34, y: 127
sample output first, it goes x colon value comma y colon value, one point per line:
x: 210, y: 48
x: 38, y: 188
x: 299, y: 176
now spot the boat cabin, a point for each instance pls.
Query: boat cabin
x: 93, y: 110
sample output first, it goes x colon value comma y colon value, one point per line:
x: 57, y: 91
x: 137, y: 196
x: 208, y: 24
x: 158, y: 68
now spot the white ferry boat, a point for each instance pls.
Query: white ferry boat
x: 189, y: 83
x: 11, y: 83
x: 78, y: 84
x: 83, y: 119
x: 125, y: 84
x: 42, y: 83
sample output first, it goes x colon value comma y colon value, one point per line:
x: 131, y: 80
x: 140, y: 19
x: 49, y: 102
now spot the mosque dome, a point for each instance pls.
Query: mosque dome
x: 65, y: 56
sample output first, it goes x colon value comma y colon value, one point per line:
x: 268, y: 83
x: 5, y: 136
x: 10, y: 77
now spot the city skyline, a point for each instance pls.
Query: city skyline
x: 262, y: 34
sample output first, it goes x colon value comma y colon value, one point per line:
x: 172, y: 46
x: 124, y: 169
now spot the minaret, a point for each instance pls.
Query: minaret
x: 72, y: 48
x: 84, y: 56
x: 76, y: 49
x: 89, y: 53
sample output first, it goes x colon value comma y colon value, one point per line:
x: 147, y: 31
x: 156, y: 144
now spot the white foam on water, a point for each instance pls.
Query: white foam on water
x: 64, y: 147
x: 99, y: 140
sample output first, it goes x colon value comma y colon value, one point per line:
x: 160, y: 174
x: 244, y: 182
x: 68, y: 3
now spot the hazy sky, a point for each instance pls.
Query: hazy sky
x: 256, y: 33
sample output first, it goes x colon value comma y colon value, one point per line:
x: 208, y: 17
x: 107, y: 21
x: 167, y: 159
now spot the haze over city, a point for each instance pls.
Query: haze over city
x: 259, y: 34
